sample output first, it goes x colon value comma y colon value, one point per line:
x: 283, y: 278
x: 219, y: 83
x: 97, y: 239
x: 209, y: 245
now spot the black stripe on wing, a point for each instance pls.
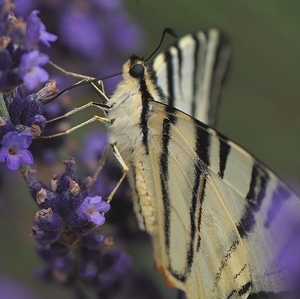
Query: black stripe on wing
x: 164, y: 176
x: 221, y: 70
x: 223, y: 154
x: 255, y: 196
x: 242, y: 291
x: 145, y: 97
x: 198, y: 73
x: 195, y: 72
x: 170, y: 73
x: 202, y: 146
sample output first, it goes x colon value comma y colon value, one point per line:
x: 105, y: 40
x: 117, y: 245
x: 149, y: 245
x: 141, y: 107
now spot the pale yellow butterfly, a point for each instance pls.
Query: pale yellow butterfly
x: 223, y: 224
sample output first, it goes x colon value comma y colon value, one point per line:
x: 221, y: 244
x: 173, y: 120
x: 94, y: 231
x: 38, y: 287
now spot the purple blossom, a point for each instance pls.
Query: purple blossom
x: 14, y: 149
x: 74, y: 251
x: 76, y: 30
x: 36, y: 31
x: 30, y: 70
x: 93, y: 240
x: 92, y: 207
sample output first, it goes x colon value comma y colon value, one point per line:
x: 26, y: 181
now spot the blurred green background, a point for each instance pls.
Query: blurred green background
x: 260, y: 106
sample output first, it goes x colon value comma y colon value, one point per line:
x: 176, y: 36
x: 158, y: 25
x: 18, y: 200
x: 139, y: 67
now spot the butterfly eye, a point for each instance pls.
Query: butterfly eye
x: 137, y: 71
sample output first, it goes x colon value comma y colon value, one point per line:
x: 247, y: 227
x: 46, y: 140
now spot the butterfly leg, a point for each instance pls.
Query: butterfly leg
x: 124, y: 167
x: 77, y: 109
x: 89, y: 121
x: 102, y: 163
x: 102, y: 160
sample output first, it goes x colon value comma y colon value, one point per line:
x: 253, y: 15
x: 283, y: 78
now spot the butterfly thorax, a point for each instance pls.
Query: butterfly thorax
x: 131, y: 108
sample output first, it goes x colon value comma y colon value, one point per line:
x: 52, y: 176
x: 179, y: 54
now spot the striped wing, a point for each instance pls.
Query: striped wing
x: 226, y: 224
x: 191, y: 72
x: 223, y: 225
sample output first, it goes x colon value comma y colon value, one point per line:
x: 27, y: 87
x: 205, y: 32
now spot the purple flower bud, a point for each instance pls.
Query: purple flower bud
x: 87, y: 270
x: 115, y: 264
x: 41, y: 194
x: 15, y: 104
x: 47, y: 220
x: 63, y: 263
x: 38, y: 120
x: 67, y: 177
x: 44, y: 237
x: 31, y: 108
x: 69, y: 203
x: 47, y: 227
x: 93, y: 240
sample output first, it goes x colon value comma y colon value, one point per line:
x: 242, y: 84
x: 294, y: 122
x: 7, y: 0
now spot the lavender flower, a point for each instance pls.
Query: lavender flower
x: 21, y: 115
x: 92, y: 207
x: 85, y: 30
x: 67, y: 223
x: 14, y: 149
x: 36, y: 31
x: 15, y: 33
x: 74, y: 28
x: 30, y: 70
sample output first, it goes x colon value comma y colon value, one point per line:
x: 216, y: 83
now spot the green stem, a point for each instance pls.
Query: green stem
x: 3, y: 109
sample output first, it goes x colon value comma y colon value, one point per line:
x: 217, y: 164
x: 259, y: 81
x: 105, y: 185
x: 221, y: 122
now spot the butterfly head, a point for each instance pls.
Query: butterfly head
x: 134, y: 68
x: 137, y: 83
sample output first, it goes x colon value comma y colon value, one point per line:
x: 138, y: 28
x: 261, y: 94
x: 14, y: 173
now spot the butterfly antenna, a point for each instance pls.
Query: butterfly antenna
x: 166, y: 30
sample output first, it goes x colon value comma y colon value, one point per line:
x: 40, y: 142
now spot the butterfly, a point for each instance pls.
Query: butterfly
x: 223, y: 225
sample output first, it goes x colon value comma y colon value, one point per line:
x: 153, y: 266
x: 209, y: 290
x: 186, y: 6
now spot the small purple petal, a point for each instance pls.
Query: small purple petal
x: 30, y: 71
x: 46, y: 37
x: 36, y: 31
x: 8, y: 138
x: 25, y: 139
x: 26, y: 157
x: 14, y: 149
x: 97, y: 218
x: 13, y: 162
x: 36, y: 75
x: 92, y: 207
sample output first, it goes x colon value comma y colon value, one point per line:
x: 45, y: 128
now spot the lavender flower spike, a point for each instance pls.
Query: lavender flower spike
x: 14, y: 149
x: 92, y: 207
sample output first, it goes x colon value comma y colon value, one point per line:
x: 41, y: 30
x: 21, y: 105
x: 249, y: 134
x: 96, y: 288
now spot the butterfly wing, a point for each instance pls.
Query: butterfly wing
x: 191, y: 72
x: 224, y: 221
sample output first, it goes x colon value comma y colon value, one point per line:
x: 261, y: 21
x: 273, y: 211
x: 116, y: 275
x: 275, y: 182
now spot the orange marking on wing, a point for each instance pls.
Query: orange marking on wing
x: 161, y: 269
